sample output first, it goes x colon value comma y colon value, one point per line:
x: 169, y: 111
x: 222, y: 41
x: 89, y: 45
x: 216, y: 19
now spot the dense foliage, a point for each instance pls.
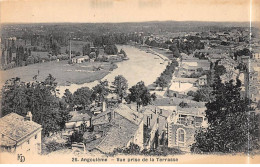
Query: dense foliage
x: 140, y: 94
x: 39, y: 98
x: 111, y: 49
x: 232, y: 127
x: 166, y: 76
x: 121, y: 86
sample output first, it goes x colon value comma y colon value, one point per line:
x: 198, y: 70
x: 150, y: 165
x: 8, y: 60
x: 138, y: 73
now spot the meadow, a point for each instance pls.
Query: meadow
x: 64, y: 73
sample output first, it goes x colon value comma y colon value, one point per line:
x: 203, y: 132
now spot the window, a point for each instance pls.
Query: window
x: 180, y: 137
x: 35, y: 136
x: 28, y: 141
x: 181, y: 119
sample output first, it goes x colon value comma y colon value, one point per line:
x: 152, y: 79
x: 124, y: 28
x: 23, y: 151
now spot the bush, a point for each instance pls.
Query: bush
x: 46, y: 59
x: 53, y: 58
x: 111, y: 49
x: 76, y: 137
x: 30, y: 60
x: 54, y: 146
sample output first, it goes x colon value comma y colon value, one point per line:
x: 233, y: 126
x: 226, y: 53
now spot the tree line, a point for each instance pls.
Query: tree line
x: 166, y: 76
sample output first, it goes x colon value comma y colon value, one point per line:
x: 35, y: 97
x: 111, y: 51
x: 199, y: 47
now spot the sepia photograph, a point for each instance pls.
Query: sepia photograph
x: 129, y: 82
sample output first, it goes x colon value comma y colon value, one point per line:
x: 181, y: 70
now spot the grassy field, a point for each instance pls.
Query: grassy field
x: 64, y: 73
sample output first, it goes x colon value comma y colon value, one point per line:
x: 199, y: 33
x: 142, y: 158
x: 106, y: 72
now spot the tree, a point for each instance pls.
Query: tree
x: 232, y: 128
x: 219, y: 70
x: 175, y: 51
x: 68, y: 98
x: 93, y: 55
x: 162, y: 81
x: 191, y: 93
x: 203, y: 94
x: 77, y: 136
x: 110, y: 49
x: 38, y: 97
x: 86, y: 50
x: 100, y: 91
x: 82, y: 96
x: 140, y: 94
x: 3, y: 58
x: 183, y: 104
x: 122, y: 52
x: 121, y: 86
x: 55, y: 48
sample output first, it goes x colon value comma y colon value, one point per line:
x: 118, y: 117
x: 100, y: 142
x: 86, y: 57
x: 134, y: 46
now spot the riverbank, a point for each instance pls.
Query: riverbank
x: 64, y: 73
x: 141, y: 66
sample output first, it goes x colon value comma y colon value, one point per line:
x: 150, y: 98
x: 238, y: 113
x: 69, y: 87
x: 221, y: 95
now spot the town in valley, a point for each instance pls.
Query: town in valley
x: 146, y: 88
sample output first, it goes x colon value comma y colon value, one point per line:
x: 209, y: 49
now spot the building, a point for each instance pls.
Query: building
x: 79, y: 59
x: 81, y: 120
x: 20, y: 134
x: 182, y: 127
x: 256, y: 55
x: 151, y: 127
x: 203, y: 80
x: 117, y: 129
x: 181, y: 86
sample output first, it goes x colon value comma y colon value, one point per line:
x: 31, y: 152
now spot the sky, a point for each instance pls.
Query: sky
x: 46, y: 11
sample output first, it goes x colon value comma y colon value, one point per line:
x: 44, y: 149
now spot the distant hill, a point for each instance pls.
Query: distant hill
x: 126, y: 27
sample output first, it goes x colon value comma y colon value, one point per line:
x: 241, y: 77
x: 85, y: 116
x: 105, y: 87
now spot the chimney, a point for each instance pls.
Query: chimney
x: 103, y: 106
x: 28, y: 116
x: 148, y: 121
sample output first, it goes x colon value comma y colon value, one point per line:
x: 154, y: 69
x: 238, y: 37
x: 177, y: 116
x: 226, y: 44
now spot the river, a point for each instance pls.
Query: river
x: 141, y: 66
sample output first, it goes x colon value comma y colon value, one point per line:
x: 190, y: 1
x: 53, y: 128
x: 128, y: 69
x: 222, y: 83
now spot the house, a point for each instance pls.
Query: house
x: 81, y: 120
x: 182, y: 127
x: 203, y: 80
x: 151, y: 127
x: 79, y: 59
x: 120, y: 126
x: 181, y: 86
x: 20, y: 134
x: 188, y: 66
x: 172, y: 103
x: 243, y: 59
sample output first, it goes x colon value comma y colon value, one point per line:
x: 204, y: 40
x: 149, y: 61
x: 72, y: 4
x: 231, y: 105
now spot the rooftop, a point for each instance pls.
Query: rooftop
x: 80, y: 115
x: 185, y: 80
x: 14, y: 128
x: 118, y: 136
x: 174, y: 101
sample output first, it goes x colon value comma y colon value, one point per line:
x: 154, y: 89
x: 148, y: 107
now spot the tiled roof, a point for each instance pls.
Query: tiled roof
x: 150, y: 112
x: 191, y: 111
x: 118, y: 136
x: 14, y: 128
x: 185, y: 80
x: 132, y: 115
x: 174, y: 101
x: 79, y: 115
x: 121, y: 130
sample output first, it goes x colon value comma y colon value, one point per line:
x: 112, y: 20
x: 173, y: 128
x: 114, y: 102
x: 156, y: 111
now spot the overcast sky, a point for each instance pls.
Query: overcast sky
x: 32, y: 11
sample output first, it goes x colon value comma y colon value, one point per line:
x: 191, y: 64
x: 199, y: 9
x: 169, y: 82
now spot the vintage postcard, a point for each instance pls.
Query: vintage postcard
x: 129, y: 81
